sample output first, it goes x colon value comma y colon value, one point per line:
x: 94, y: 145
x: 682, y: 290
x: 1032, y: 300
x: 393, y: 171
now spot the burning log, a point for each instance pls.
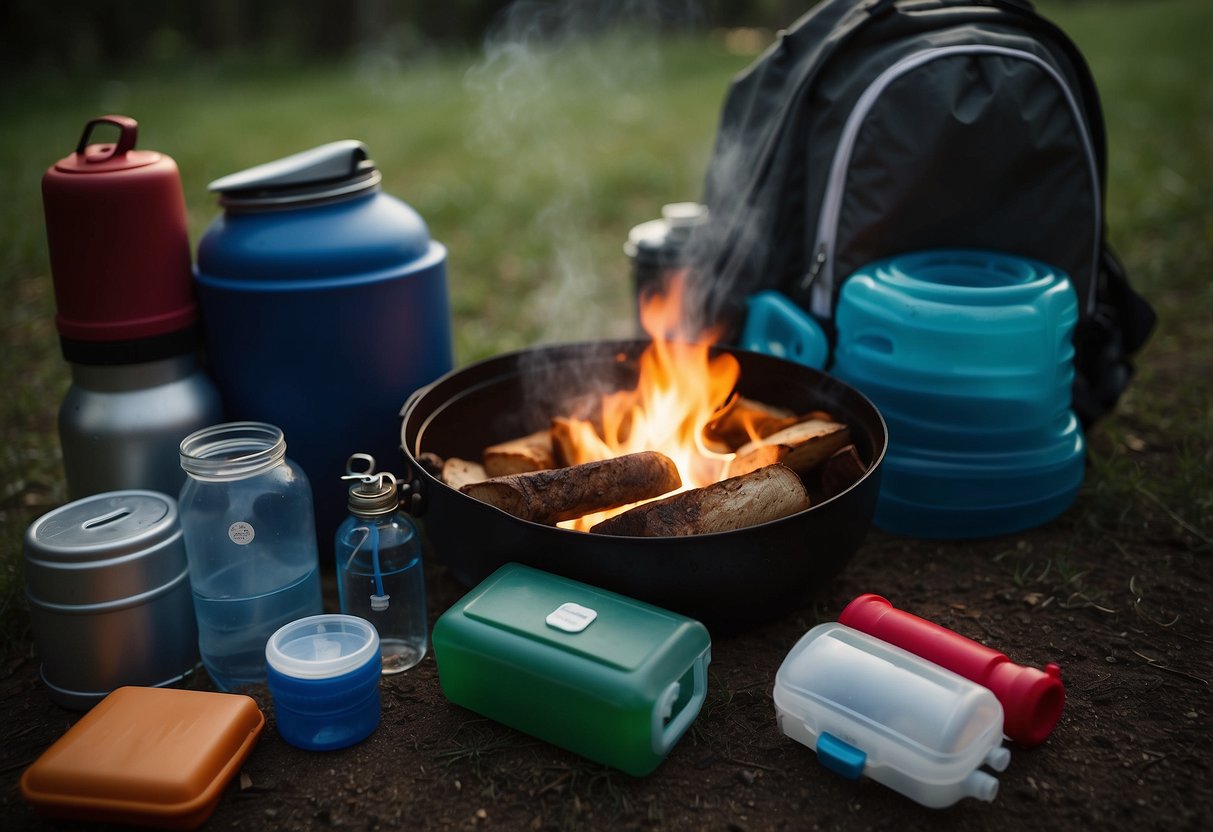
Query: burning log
x: 801, y: 447
x: 742, y: 419
x: 841, y: 471
x: 518, y: 456
x: 564, y: 439
x: 551, y: 496
x: 757, y: 497
x: 460, y: 472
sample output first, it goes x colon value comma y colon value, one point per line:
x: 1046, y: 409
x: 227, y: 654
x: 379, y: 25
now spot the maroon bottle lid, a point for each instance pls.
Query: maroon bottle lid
x: 119, y: 243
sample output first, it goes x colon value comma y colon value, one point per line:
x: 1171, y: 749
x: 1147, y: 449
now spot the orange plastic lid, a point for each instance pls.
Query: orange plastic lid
x: 146, y: 756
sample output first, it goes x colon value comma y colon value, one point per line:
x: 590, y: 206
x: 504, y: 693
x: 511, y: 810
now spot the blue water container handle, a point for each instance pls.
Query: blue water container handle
x: 776, y: 326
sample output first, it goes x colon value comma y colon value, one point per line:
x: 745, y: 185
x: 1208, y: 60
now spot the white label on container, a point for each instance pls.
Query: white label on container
x: 241, y: 533
x: 570, y: 617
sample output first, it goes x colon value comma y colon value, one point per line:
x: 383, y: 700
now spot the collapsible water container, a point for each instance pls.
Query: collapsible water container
x: 968, y: 356
x: 605, y: 676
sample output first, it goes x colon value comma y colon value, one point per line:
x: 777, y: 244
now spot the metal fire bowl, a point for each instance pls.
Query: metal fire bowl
x: 729, y: 580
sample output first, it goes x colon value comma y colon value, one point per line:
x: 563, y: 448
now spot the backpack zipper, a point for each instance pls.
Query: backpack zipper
x: 819, y: 280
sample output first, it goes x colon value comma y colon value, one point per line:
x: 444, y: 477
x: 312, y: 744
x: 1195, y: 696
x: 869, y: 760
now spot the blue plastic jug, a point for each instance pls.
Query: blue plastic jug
x: 325, y: 304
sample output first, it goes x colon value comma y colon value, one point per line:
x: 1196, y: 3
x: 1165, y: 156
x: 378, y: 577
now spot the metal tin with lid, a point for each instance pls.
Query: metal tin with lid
x: 109, y: 596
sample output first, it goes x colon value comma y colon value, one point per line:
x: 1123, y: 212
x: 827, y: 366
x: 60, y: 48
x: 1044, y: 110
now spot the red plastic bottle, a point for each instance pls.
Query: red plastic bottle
x: 1031, y: 699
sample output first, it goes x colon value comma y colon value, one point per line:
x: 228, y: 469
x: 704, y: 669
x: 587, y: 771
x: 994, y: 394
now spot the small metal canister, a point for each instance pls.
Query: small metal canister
x: 109, y: 596
x: 663, y: 248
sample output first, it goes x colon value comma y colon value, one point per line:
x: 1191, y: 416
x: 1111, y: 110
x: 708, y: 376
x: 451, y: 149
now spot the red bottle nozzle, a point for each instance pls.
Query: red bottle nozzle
x: 1031, y: 699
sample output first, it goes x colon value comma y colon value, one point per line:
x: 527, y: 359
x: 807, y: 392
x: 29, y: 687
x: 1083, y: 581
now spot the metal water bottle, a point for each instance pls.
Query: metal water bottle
x: 126, y: 315
x: 661, y: 249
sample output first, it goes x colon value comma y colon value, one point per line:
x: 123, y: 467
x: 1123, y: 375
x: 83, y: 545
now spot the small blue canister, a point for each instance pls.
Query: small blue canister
x: 324, y: 305
x: 323, y: 673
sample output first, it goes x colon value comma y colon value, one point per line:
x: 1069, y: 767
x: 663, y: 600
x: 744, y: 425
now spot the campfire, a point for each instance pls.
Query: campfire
x: 681, y: 453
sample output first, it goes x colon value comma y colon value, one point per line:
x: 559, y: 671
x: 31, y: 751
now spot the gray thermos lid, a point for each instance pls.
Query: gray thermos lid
x: 334, y: 171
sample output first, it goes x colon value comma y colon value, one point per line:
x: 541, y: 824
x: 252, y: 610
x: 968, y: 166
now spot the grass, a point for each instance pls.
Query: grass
x: 532, y: 167
x: 1151, y: 470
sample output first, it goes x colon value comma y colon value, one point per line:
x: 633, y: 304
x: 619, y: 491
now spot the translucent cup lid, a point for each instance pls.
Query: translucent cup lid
x: 322, y: 646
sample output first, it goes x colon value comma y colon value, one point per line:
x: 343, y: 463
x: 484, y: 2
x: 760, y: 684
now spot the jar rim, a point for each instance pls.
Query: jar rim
x: 232, y: 451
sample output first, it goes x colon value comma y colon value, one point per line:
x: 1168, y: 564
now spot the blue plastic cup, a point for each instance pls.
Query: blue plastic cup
x: 323, y: 673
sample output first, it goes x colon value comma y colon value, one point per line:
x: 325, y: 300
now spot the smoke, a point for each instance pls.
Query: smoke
x: 739, y: 232
x: 557, y: 81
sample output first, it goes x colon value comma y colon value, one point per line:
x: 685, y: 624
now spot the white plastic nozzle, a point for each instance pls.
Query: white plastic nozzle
x: 999, y: 758
x: 379, y: 602
x: 981, y: 786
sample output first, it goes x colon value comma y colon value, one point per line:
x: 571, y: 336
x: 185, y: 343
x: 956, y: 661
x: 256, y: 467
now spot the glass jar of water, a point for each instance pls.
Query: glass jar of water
x: 250, y: 539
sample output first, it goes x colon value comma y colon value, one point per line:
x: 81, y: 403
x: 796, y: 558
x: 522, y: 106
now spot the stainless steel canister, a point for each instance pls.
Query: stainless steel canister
x: 109, y: 596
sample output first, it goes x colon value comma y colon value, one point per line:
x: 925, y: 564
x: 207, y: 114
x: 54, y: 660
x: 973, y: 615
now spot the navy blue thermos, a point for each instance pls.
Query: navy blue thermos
x: 324, y: 305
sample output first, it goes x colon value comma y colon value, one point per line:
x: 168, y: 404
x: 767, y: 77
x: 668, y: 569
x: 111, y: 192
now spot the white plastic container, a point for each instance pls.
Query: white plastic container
x: 868, y: 708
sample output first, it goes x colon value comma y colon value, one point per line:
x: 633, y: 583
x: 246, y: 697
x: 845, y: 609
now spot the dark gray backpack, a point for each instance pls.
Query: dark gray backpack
x: 871, y: 129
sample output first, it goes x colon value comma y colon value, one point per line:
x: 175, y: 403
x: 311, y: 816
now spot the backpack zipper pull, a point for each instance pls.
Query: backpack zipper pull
x: 819, y: 261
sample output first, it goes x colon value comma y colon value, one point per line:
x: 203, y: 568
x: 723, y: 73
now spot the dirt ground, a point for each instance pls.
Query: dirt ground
x: 1128, y: 621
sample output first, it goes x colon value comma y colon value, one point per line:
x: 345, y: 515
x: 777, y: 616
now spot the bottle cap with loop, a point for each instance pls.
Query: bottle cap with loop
x: 373, y: 495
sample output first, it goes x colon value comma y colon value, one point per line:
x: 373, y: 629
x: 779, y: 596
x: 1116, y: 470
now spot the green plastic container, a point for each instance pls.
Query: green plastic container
x: 610, y: 678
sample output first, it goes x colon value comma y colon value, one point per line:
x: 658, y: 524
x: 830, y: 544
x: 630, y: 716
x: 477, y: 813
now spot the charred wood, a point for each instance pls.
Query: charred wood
x: 568, y: 493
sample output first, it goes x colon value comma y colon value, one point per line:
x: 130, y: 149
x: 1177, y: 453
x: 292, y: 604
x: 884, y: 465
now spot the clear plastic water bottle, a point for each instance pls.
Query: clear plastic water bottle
x: 379, y: 570
x: 250, y: 539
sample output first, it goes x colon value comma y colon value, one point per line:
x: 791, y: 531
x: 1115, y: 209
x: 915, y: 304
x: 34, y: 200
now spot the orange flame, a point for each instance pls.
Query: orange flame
x: 679, y: 390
